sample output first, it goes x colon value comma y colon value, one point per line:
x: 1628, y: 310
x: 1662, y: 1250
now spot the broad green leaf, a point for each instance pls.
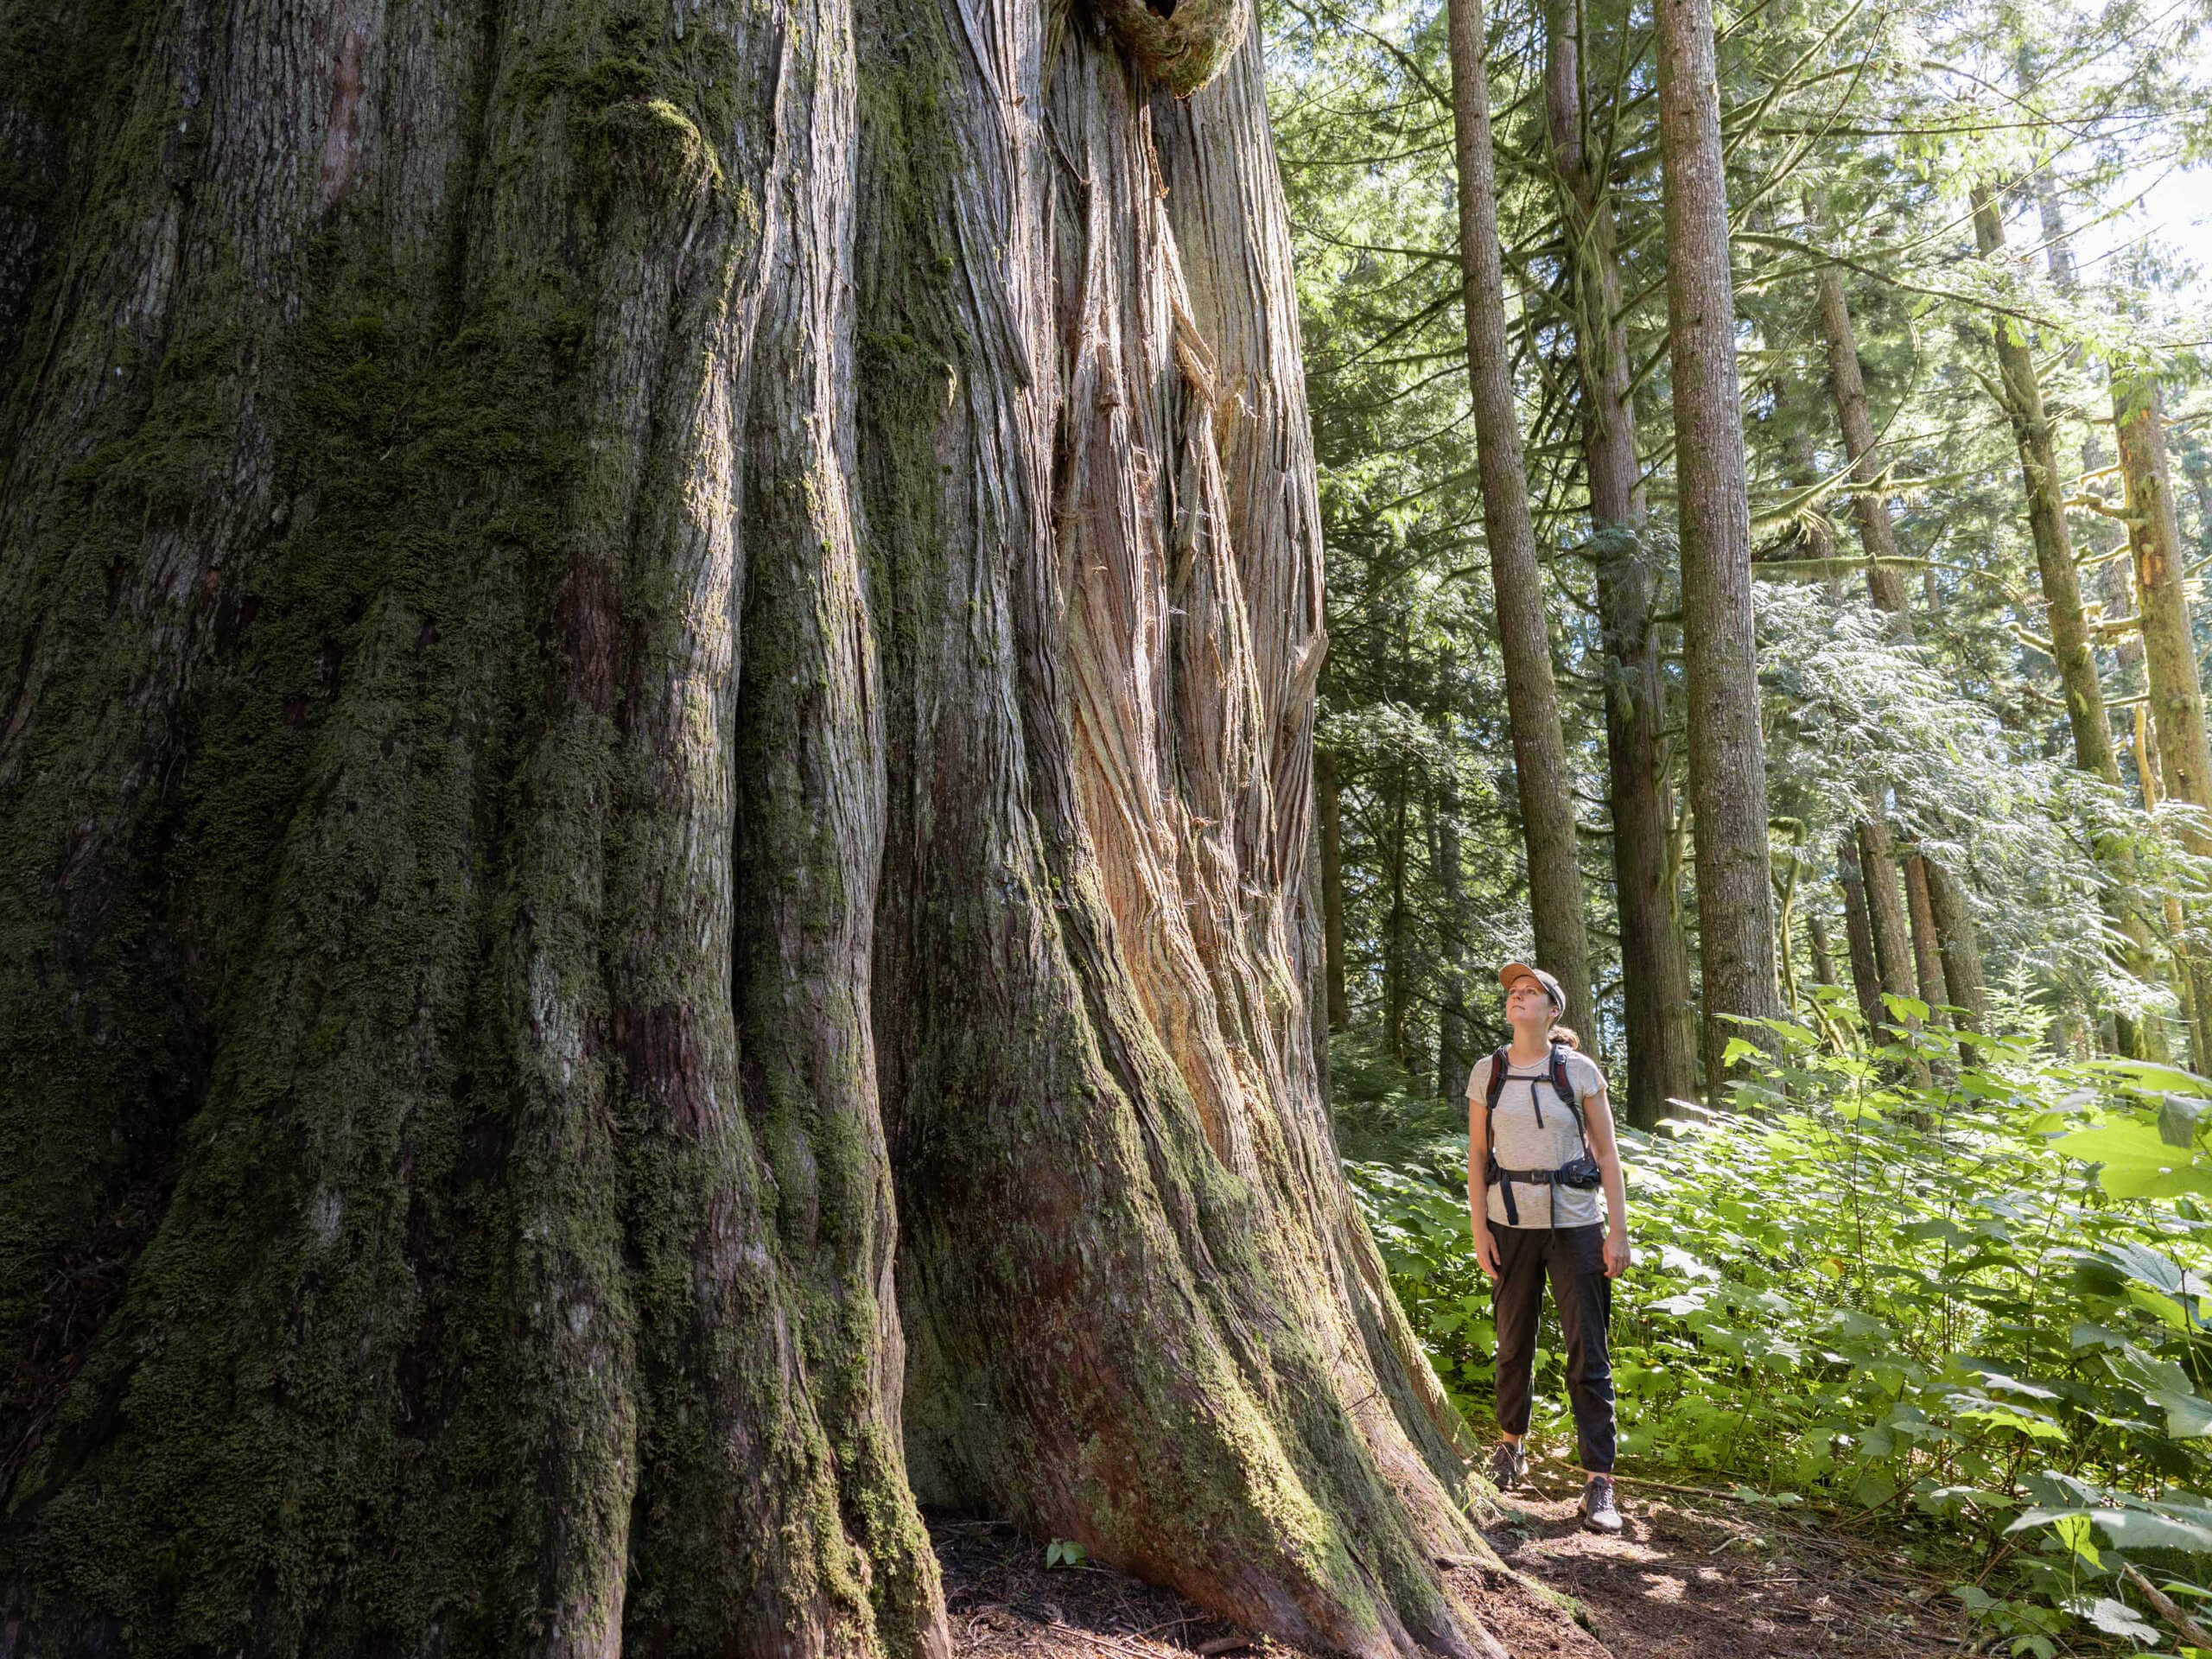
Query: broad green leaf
x: 2179, y: 1117
x: 2132, y: 1529
x: 2123, y: 1144
x: 2188, y: 1415
x: 2113, y: 1617
x: 2150, y: 1075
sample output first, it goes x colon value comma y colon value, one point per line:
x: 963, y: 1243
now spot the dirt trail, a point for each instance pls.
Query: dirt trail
x: 1691, y: 1578
x: 1706, y: 1578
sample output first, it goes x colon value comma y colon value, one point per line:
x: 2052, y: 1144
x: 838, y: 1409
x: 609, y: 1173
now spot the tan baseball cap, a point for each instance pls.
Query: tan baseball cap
x: 1514, y: 972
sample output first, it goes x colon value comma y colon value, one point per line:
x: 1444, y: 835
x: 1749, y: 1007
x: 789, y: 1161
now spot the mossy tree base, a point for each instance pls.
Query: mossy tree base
x: 659, y: 658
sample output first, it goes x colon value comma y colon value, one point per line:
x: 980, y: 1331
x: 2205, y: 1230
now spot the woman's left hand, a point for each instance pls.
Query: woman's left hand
x: 1618, y: 1255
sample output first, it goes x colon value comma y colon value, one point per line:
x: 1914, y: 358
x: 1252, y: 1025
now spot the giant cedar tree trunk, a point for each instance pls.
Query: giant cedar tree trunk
x: 1660, y: 1016
x: 1540, y: 765
x: 1727, y: 754
x: 624, y: 631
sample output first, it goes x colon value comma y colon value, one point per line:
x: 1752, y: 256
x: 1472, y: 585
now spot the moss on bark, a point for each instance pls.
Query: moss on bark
x: 632, y: 626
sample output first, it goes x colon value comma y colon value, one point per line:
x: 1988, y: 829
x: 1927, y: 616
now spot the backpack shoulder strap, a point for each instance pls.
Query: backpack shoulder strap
x: 1565, y: 1087
x: 1496, y: 1086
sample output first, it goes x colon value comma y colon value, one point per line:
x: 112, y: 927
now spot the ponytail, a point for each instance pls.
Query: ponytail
x: 1564, y: 1036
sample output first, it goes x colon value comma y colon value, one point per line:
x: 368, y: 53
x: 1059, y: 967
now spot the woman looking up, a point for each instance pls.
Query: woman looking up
x: 1539, y: 1148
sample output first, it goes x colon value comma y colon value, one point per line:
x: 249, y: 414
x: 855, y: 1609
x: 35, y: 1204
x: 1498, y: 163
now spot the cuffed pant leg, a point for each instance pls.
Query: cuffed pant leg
x: 1517, y: 1301
x: 1576, y: 1259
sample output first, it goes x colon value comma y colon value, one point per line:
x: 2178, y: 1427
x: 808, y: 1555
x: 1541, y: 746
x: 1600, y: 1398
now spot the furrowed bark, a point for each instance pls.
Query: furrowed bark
x: 1658, y: 1011
x: 612, y: 617
x: 1727, y: 757
x: 1540, y: 762
x: 2061, y: 582
x: 484, y: 1301
x: 1087, y: 450
x: 2154, y: 538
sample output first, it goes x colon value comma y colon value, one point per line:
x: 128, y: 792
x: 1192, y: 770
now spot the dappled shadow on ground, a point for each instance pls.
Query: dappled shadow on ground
x: 1693, y: 1577
x: 1006, y: 1604
x: 1696, y: 1577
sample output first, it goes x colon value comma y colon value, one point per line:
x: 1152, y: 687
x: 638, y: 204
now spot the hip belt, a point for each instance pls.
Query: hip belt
x: 1581, y: 1175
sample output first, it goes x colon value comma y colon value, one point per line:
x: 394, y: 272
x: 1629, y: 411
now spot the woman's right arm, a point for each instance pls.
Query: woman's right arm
x: 1479, y: 1183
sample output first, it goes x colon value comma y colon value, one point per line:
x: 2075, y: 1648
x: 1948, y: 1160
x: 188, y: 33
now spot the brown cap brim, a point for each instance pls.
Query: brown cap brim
x: 1514, y: 972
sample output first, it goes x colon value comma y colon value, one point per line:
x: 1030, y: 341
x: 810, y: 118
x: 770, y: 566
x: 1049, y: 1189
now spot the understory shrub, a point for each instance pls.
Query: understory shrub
x: 1977, y: 1303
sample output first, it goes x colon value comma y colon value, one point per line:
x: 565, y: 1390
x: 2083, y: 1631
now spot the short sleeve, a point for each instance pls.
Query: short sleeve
x: 1588, y: 1079
x: 1478, y: 1078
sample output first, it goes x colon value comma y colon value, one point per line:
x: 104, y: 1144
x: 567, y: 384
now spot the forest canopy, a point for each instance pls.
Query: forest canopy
x: 1861, y: 145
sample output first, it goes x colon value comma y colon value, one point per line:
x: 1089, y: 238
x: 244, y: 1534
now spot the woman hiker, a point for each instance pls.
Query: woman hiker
x: 1540, y: 1146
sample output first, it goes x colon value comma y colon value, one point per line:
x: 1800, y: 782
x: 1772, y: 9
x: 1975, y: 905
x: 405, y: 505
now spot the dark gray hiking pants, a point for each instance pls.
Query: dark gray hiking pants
x: 1573, y: 1258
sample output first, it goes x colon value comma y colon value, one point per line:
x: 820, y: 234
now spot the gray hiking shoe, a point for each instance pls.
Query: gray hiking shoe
x: 1508, y: 1465
x: 1599, y: 1513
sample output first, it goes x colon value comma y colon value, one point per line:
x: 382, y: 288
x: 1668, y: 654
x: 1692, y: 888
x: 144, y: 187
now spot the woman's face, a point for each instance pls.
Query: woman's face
x: 1527, y: 1003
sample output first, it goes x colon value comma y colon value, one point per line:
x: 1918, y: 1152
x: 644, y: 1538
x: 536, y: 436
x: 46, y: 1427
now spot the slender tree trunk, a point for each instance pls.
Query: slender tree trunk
x: 1884, y: 577
x: 1524, y: 639
x: 1927, y: 951
x: 1398, y: 929
x: 2176, y: 697
x: 1823, y: 955
x: 1815, y: 536
x: 2154, y: 538
x: 2190, y: 977
x: 1452, y: 1057
x: 1726, y: 754
x: 1893, y: 936
x: 1328, y: 794
x: 665, y: 634
x: 1959, y: 943
x: 1859, y: 933
x: 2116, y: 588
x: 1785, y: 948
x: 1660, y: 1015
x: 1891, y: 931
x: 2061, y: 591
x: 2062, y: 584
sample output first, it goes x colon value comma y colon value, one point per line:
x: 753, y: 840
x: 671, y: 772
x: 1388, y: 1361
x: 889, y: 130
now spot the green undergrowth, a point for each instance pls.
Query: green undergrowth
x: 1973, y: 1312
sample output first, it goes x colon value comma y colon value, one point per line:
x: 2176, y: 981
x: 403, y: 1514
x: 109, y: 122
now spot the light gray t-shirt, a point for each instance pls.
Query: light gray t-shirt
x: 1532, y: 1128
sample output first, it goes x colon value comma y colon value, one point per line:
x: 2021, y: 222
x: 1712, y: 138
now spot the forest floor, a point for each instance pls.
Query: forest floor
x: 1694, y: 1576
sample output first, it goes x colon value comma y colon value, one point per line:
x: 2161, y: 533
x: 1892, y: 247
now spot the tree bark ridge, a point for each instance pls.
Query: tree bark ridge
x: 677, y: 629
